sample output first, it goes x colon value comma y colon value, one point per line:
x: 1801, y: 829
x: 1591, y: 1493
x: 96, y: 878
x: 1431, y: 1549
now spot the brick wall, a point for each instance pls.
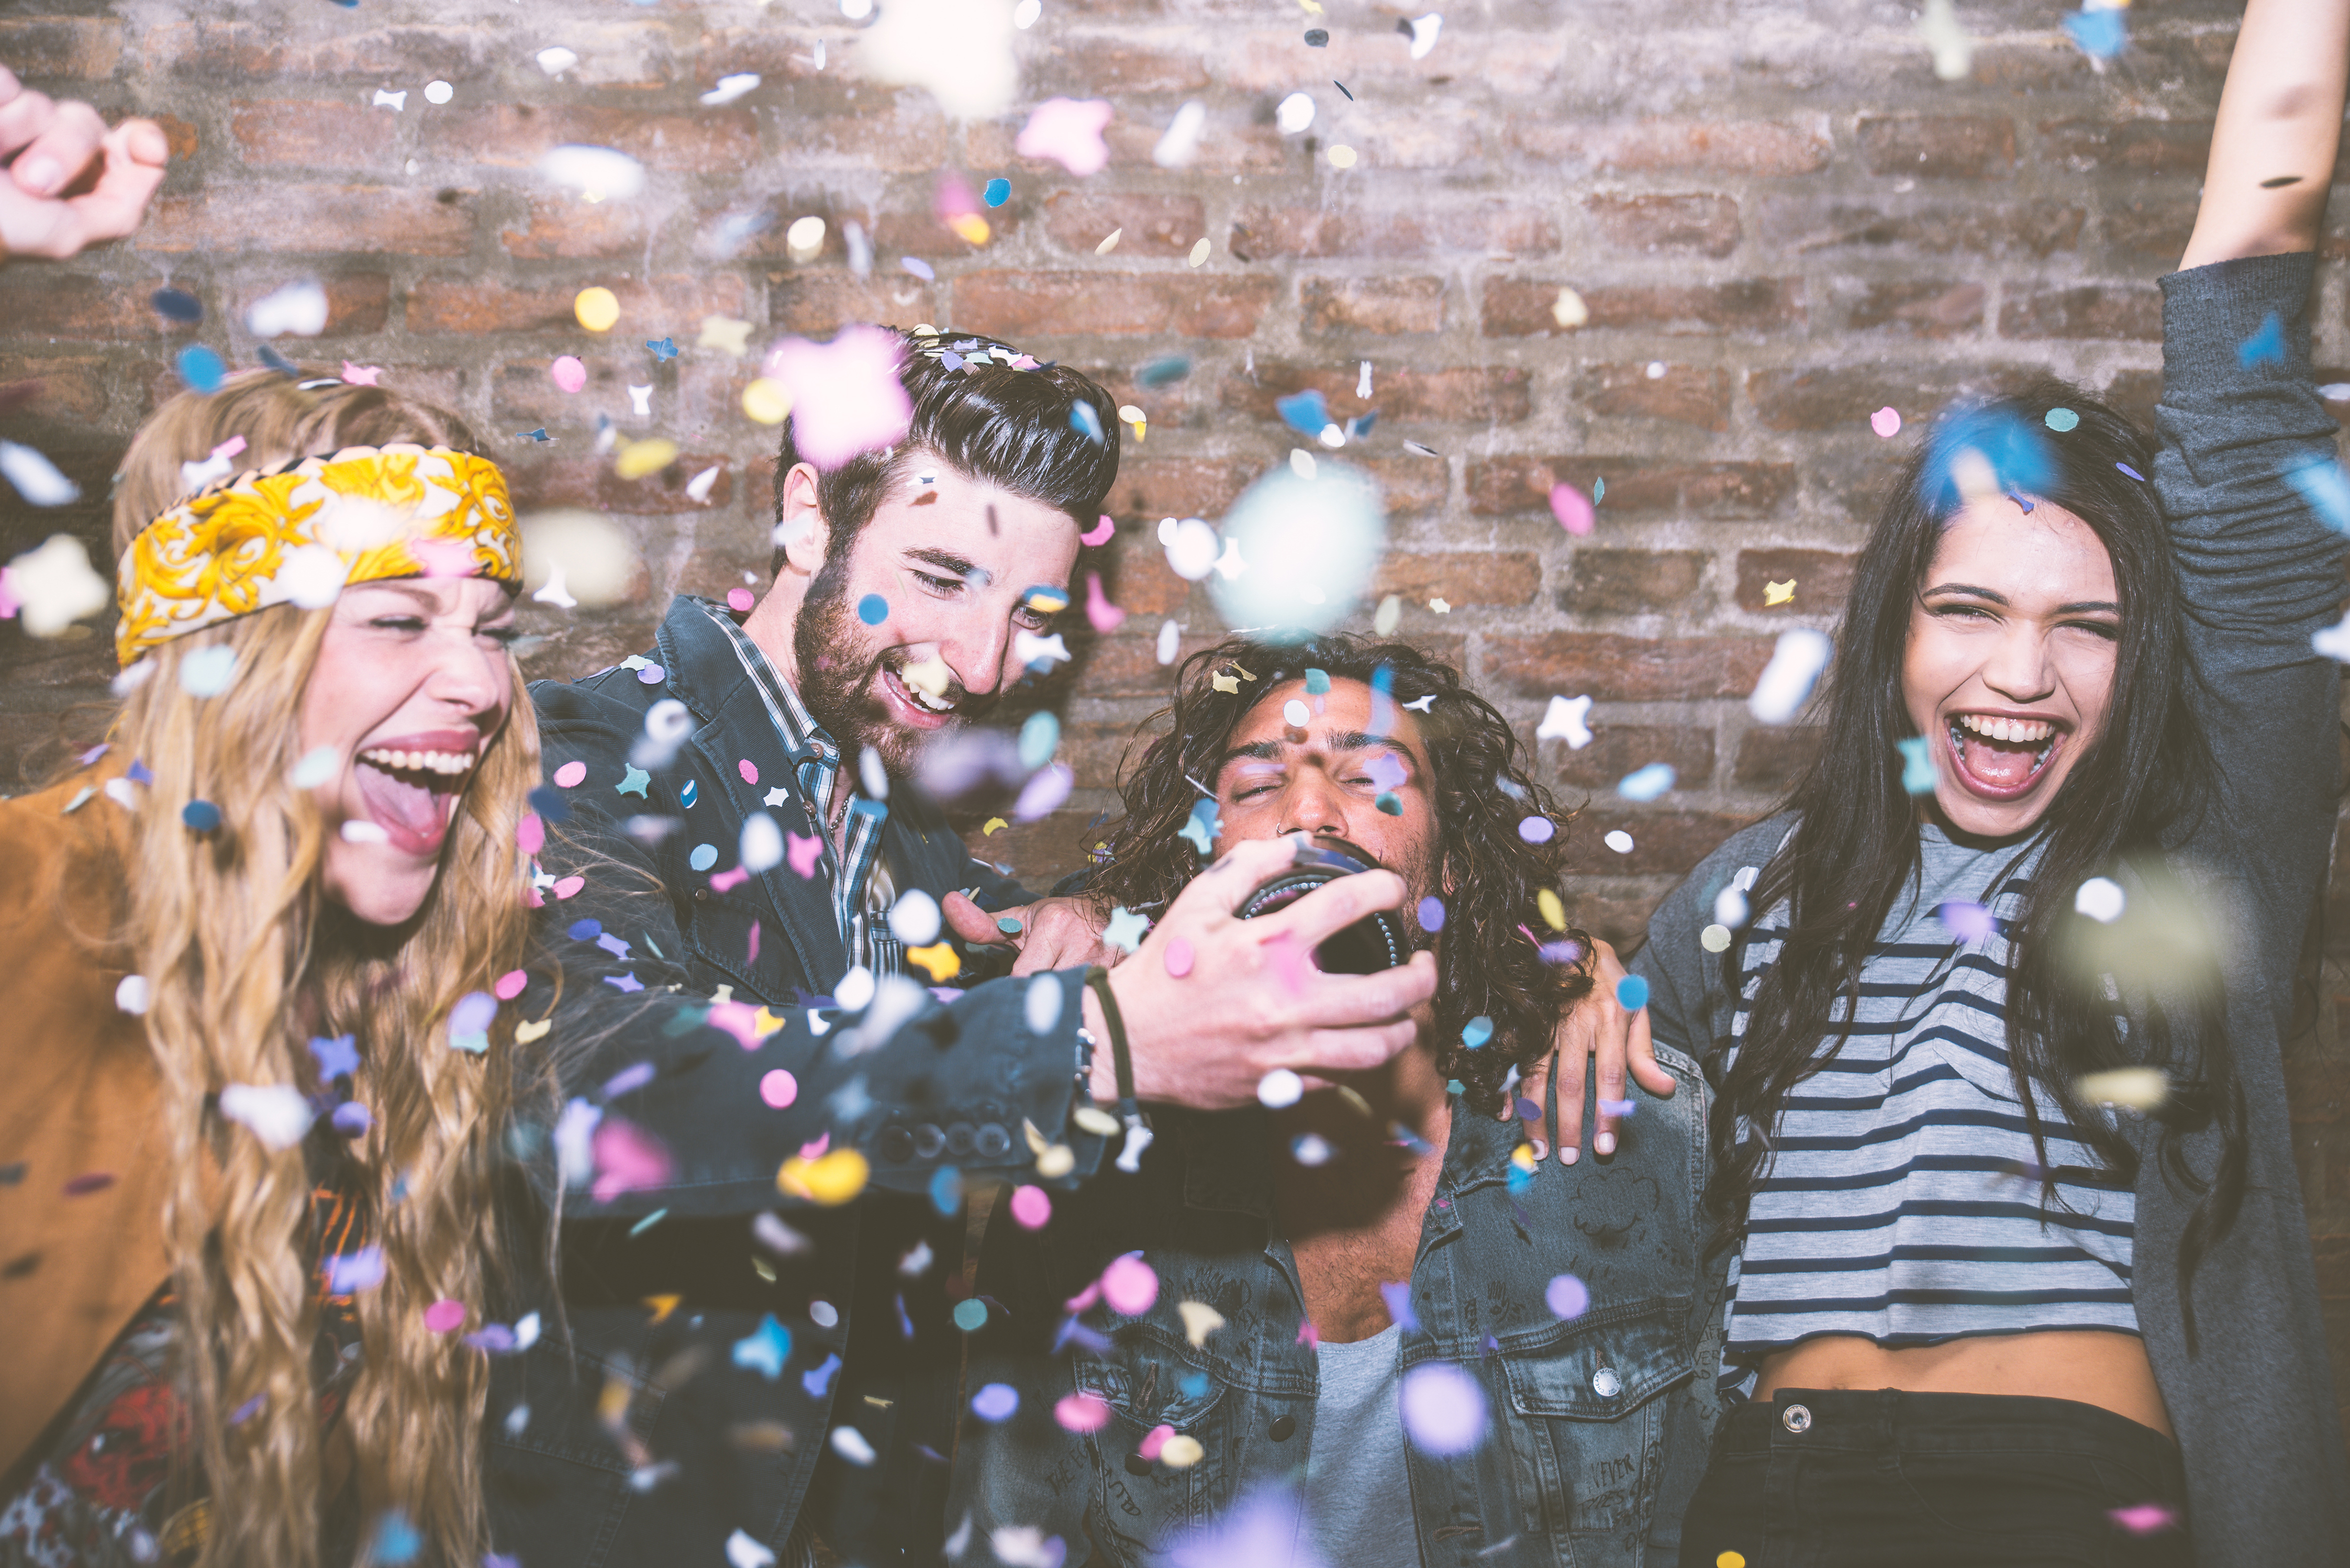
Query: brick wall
x: 1779, y: 219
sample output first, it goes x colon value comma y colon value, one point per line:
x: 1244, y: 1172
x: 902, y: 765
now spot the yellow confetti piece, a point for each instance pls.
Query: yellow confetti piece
x: 612, y: 1404
x: 765, y: 1023
x: 662, y: 1306
x: 1056, y: 1161
x: 992, y: 823
x: 830, y: 1179
x: 1200, y: 1320
x: 764, y: 1268
x: 1199, y: 254
x: 531, y: 1029
x: 1095, y: 1120
x: 724, y: 334
x: 767, y: 402
x: 1341, y: 157
x: 1714, y: 938
x: 1036, y: 1139
x: 929, y: 676
x: 1441, y: 606
x: 1180, y: 1453
x: 1362, y: 1106
x: 939, y: 958
x: 2140, y: 1089
x: 598, y: 309
x: 1109, y: 244
x: 1391, y: 611
x: 1731, y: 1560
x: 1569, y: 309
x: 640, y: 458
x: 1313, y: 7
x: 762, y: 1436
x: 1523, y: 1157
x: 1225, y: 682
x: 1778, y: 593
x: 1552, y: 909
x: 969, y: 226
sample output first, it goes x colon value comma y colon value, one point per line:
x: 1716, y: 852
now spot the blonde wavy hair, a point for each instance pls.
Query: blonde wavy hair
x: 246, y: 958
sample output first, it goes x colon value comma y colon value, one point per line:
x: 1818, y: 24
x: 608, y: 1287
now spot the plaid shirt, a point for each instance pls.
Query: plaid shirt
x: 861, y: 896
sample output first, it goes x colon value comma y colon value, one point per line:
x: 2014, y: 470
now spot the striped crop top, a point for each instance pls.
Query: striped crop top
x: 1902, y: 1202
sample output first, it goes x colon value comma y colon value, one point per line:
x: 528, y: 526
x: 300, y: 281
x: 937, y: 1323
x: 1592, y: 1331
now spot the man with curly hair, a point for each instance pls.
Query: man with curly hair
x: 1366, y: 1316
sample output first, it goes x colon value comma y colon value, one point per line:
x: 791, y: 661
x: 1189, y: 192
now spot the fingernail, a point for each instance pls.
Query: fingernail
x: 1603, y: 1144
x: 39, y: 175
x: 1567, y: 1156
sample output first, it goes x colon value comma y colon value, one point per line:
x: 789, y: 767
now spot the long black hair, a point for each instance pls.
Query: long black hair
x: 2132, y: 794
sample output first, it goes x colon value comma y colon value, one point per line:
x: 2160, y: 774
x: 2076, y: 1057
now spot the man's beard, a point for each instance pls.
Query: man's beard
x: 838, y: 662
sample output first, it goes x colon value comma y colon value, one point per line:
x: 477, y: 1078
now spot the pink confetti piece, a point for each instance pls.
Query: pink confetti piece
x: 805, y: 854
x: 815, y: 1150
x: 530, y: 833
x: 1042, y: 796
x: 753, y: 944
x: 445, y: 1316
x: 779, y: 1089
x: 1104, y: 616
x: 1100, y: 533
x: 628, y: 1159
x: 235, y: 444
x: 740, y: 601
x: 739, y: 1018
x: 1178, y: 958
x: 1081, y: 1412
x: 570, y: 775
x: 2145, y: 1519
x: 1968, y: 922
x: 1130, y: 1285
x: 1886, y: 422
x: 1083, y: 1300
x: 845, y: 395
x: 567, y: 886
x: 1289, y: 961
x: 1031, y: 1206
x: 87, y: 1182
x: 726, y: 882
x: 1069, y: 132
x: 749, y: 770
x: 1572, y: 508
x: 360, y: 374
x: 1567, y: 1296
x: 510, y: 984
x: 1308, y: 1335
x: 568, y: 373
x: 1155, y: 1440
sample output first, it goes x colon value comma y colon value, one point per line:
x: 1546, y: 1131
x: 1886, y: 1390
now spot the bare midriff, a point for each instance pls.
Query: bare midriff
x: 2093, y: 1367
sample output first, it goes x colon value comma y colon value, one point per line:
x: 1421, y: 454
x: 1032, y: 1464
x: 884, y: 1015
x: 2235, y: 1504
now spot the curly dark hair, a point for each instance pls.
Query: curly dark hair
x: 1489, y: 963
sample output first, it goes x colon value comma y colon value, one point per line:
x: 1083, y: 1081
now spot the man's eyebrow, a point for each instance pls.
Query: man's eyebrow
x: 1255, y: 751
x: 1335, y: 741
x: 961, y: 566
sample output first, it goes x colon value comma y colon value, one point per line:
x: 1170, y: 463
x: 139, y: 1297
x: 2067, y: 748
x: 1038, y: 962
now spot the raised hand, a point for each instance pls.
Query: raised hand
x: 1054, y: 934
x: 1616, y: 1042
x: 70, y: 182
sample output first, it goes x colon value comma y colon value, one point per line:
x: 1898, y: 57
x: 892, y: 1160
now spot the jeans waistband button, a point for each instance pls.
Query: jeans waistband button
x: 1796, y: 1418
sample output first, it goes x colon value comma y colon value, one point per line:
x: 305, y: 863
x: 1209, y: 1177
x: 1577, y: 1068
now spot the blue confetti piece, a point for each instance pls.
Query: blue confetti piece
x: 1476, y: 1031
x: 175, y: 304
x: 1432, y: 914
x: 873, y: 609
x: 1086, y: 422
x: 1917, y: 766
x: 551, y: 804
x: 1194, y: 1385
x: 138, y: 772
x: 1318, y: 683
x: 1164, y: 372
x: 998, y: 191
x: 351, y: 1120
x: 946, y: 1191
x: 2323, y: 486
x: 1397, y: 1295
x: 1202, y: 827
x: 703, y: 858
x: 2133, y: 472
x: 1519, y: 1180
x: 664, y: 349
x: 765, y: 1349
x: 919, y: 268
x: 2265, y: 347
x: 1389, y: 803
x: 2063, y: 419
x: 1306, y: 412
x: 201, y: 816
x: 585, y: 930
x: 2100, y: 34
x: 879, y: 810
x: 1360, y: 425
x: 651, y: 675
x: 540, y: 434
x: 691, y: 793
x: 950, y: 359
x: 276, y: 361
x: 1647, y: 783
x: 200, y: 368
x: 995, y: 1403
x: 1598, y: 490
x: 396, y: 1539
x: 338, y: 1055
x: 1631, y: 993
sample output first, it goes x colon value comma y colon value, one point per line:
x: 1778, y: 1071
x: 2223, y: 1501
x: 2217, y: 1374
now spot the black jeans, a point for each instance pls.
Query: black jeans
x: 1867, y: 1478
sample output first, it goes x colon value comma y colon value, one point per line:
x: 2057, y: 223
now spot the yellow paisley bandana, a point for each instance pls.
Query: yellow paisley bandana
x: 297, y: 535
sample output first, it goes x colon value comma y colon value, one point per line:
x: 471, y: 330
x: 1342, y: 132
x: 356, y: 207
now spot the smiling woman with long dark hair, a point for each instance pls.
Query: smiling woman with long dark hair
x: 2007, y: 1223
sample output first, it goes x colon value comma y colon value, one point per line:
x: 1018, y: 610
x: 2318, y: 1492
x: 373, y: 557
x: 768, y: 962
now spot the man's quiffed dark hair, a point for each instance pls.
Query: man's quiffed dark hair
x: 1014, y: 428
x: 1489, y: 964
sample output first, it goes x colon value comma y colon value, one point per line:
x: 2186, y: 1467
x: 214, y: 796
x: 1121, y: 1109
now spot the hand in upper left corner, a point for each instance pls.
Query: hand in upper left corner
x: 69, y: 183
x: 1050, y: 934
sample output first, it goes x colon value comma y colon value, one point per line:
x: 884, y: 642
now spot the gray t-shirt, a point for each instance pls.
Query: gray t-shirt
x: 1358, y: 1502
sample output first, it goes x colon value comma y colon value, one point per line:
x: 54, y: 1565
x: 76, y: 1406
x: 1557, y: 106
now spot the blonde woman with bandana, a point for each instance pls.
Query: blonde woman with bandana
x: 248, y: 1169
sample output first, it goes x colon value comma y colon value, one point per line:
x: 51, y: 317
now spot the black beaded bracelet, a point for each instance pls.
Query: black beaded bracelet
x: 1121, y: 1058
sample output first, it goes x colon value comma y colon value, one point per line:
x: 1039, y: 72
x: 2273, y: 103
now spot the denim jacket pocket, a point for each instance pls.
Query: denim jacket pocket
x: 1588, y: 1425
x: 1146, y: 1506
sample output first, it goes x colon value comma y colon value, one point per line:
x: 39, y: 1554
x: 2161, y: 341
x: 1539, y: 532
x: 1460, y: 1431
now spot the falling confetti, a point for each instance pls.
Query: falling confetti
x: 299, y: 309
x: 2102, y: 900
x: 847, y: 392
x: 1886, y: 422
x: 1778, y: 593
x: 1787, y: 681
x: 1069, y: 132
x: 1443, y: 1410
x: 598, y: 173
x: 1647, y: 783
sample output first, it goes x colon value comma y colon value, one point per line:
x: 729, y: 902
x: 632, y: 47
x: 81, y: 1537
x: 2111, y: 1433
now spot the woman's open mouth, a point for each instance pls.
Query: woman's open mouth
x: 410, y: 789
x: 2000, y: 757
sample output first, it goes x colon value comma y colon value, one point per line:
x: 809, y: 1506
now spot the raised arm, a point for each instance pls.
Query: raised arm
x: 2280, y: 121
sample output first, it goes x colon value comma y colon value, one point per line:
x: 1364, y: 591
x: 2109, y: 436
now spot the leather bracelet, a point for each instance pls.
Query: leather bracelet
x: 1121, y: 1057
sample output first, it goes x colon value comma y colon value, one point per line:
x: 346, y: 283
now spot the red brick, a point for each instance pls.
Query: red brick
x: 1938, y: 147
x: 516, y: 136
x: 1410, y: 482
x: 1146, y: 226
x: 1683, y: 394
x: 1632, y: 582
x: 920, y: 231
x: 358, y: 304
x: 1985, y: 228
x: 1616, y: 750
x: 1772, y: 760
x: 559, y: 227
x: 273, y: 50
x: 1459, y: 577
x: 1136, y: 576
x: 819, y: 302
x: 1389, y: 305
x: 2096, y: 310
x: 1764, y: 147
x: 41, y: 302
x: 2142, y: 146
x: 1150, y: 488
x: 664, y: 307
x: 1108, y: 65
x: 1842, y: 398
x: 1663, y: 842
x: 342, y: 137
x: 1618, y: 919
x: 337, y: 219
x: 522, y: 395
x: 1262, y: 234
x: 1204, y: 303
x: 1229, y: 149
x: 1041, y: 853
x: 2152, y: 226
x: 1922, y: 308
x: 1822, y: 577
x: 1521, y: 307
x: 1626, y: 669
x: 182, y: 138
x: 1706, y: 224
x: 902, y: 133
x: 590, y: 481
x: 1635, y: 485
x: 86, y: 48
x: 74, y: 389
x: 1127, y: 665
x: 1468, y: 392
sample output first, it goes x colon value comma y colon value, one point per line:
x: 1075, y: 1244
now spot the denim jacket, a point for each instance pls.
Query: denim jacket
x: 1598, y: 1425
